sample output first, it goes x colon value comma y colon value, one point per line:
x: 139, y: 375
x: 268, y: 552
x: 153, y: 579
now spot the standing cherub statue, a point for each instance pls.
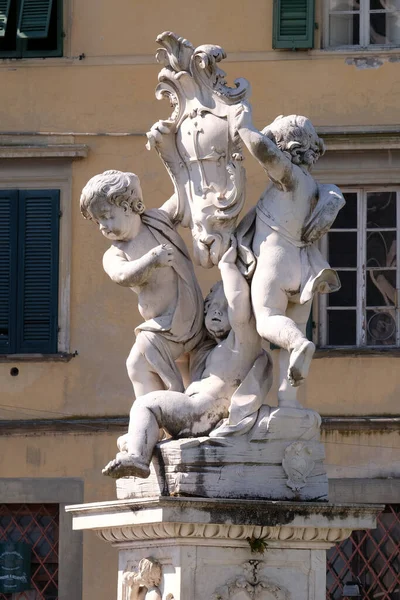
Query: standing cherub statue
x: 148, y: 256
x: 277, y: 240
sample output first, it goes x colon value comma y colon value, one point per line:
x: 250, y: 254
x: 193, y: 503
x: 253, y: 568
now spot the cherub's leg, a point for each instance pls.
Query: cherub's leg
x: 270, y: 303
x: 287, y: 393
x: 300, y: 357
x: 141, y: 374
x: 179, y: 414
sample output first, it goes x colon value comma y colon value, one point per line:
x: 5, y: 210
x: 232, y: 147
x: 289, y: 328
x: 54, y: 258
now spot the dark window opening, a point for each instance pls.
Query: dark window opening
x: 15, y: 45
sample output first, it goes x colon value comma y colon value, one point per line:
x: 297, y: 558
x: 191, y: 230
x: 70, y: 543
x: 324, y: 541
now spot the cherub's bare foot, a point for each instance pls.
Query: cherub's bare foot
x: 122, y: 442
x: 126, y: 465
x: 300, y: 360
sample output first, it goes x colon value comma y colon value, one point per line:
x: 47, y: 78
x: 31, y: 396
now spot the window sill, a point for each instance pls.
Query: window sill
x: 16, y: 358
x: 356, y: 50
x: 356, y: 352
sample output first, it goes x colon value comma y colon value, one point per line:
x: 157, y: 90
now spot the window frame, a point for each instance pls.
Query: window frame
x: 364, y: 30
x: 361, y: 281
x: 31, y: 174
x: 62, y: 491
x: 21, y: 52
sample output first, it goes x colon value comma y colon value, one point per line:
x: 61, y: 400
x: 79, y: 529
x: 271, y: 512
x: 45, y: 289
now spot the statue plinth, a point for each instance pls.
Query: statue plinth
x: 222, y: 549
x: 281, y: 458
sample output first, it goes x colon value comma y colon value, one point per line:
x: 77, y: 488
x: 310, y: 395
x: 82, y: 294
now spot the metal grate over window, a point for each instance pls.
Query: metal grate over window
x: 369, y: 558
x: 38, y: 526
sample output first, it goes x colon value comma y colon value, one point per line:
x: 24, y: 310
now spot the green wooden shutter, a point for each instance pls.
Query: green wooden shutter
x: 293, y: 24
x: 8, y: 269
x: 34, y: 19
x: 4, y: 10
x: 37, y: 306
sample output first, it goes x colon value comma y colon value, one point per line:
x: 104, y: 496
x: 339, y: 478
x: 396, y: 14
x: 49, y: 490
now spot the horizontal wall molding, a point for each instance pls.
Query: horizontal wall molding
x: 71, y: 151
x: 94, y: 425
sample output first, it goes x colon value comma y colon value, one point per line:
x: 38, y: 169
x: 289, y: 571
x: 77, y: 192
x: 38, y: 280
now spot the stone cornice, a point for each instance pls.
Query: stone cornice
x: 283, y: 523
x: 71, y: 151
x: 232, y: 533
x: 120, y: 424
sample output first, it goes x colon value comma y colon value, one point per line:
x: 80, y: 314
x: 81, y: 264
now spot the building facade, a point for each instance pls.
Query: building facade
x: 78, y: 82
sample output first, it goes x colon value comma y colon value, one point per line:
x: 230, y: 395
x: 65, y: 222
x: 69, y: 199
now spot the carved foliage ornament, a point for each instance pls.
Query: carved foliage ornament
x: 250, y: 586
x: 198, y: 143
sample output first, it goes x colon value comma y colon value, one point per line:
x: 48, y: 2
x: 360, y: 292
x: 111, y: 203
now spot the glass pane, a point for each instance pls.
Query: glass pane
x: 347, y: 295
x: 384, y: 5
x: 344, y: 5
x: 347, y: 216
x: 344, y: 30
x: 385, y: 28
x: 381, y: 210
x: 381, y: 249
x: 381, y: 288
x: 342, y: 249
x: 342, y: 327
x: 381, y: 327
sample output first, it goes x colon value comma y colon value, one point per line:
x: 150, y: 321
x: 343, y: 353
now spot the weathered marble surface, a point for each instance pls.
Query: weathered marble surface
x: 224, y: 549
x: 270, y: 268
x: 264, y: 464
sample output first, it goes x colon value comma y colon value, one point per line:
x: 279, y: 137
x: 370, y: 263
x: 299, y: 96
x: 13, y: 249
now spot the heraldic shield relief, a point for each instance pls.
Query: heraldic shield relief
x: 198, y: 143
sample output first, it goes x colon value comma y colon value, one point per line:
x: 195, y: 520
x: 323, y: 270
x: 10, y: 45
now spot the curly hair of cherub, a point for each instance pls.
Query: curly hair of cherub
x: 115, y: 187
x: 149, y: 572
x: 296, y: 137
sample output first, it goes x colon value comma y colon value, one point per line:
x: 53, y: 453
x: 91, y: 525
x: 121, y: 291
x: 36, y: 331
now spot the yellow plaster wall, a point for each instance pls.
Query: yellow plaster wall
x: 112, y: 90
x: 67, y: 455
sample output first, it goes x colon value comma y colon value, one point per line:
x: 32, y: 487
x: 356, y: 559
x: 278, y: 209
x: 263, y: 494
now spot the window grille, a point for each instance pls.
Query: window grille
x: 38, y: 526
x: 371, y: 558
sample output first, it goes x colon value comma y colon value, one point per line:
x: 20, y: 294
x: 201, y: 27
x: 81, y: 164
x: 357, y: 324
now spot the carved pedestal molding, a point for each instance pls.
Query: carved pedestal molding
x: 252, y: 586
x: 196, y: 549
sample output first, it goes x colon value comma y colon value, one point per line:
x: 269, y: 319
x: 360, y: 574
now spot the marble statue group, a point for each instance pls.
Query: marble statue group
x: 269, y: 263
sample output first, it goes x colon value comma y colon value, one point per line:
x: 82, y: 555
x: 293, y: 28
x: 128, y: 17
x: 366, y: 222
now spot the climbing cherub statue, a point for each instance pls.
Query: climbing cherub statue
x: 277, y: 240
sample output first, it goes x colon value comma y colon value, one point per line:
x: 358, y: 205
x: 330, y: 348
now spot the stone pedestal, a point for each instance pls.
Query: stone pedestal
x: 201, y: 549
x: 281, y: 458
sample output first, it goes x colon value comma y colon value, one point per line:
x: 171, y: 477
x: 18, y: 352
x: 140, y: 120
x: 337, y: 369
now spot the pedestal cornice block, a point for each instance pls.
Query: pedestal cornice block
x: 217, y: 549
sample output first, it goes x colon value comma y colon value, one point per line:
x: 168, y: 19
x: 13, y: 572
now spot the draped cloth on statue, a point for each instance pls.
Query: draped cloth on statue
x: 316, y: 274
x: 183, y: 326
x: 247, y: 399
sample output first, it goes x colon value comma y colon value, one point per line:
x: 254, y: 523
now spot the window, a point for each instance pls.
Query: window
x: 370, y: 558
x: 29, y: 239
x: 37, y: 526
x: 363, y: 247
x: 30, y: 28
x: 293, y: 24
x: 362, y: 23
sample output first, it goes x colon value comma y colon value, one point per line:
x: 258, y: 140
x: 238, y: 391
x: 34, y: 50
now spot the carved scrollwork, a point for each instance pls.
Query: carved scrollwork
x: 198, y: 143
x: 252, y: 586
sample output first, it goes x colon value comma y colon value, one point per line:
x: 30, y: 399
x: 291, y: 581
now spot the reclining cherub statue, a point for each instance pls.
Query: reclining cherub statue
x: 233, y: 377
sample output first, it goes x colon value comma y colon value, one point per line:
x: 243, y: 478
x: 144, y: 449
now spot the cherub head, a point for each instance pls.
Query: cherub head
x: 114, y: 201
x: 297, y: 138
x: 216, y: 312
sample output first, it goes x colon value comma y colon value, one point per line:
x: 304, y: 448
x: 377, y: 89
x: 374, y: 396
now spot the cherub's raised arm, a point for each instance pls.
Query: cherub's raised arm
x: 280, y: 169
x: 131, y: 273
x: 171, y: 208
x: 236, y: 289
